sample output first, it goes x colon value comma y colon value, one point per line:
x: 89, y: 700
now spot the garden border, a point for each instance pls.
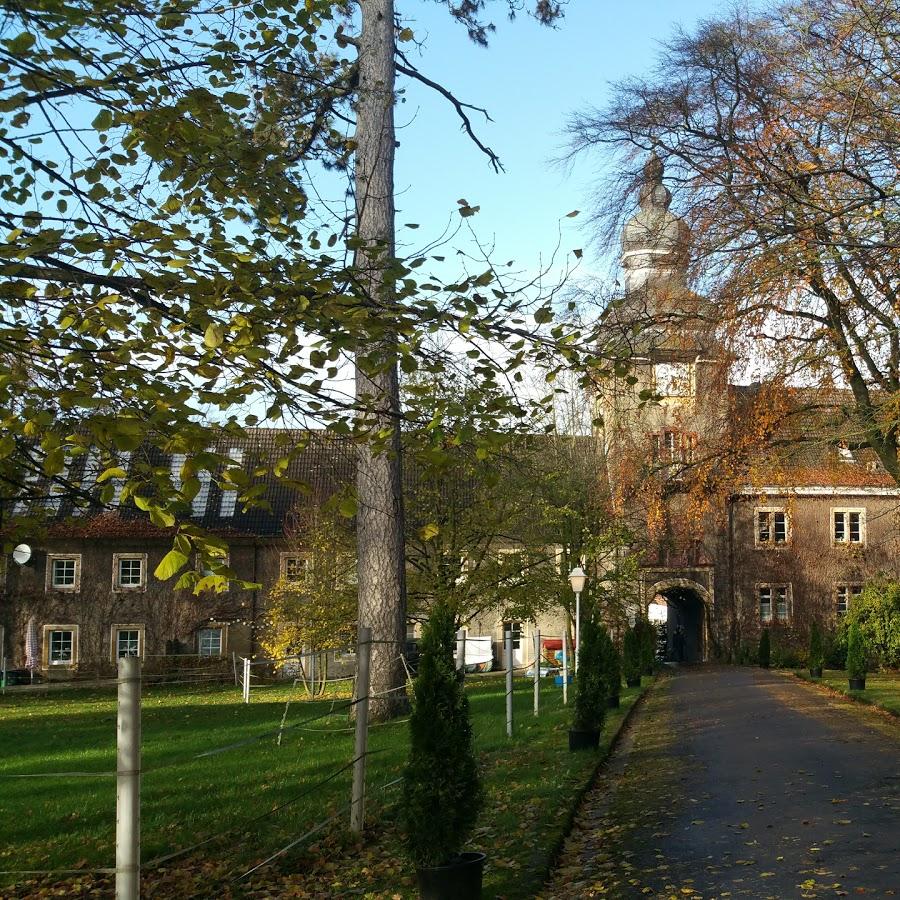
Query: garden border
x: 892, y: 715
x: 555, y: 853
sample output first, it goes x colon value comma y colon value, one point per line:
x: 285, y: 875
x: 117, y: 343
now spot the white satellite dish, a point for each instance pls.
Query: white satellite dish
x: 22, y: 554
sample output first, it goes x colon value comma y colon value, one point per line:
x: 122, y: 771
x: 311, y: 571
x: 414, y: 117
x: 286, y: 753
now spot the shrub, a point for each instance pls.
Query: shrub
x: 856, y: 652
x: 631, y: 655
x: 835, y: 648
x: 590, y: 685
x: 816, y: 652
x: 612, y: 665
x: 877, y: 612
x: 765, y: 649
x: 647, y: 638
x: 441, y: 788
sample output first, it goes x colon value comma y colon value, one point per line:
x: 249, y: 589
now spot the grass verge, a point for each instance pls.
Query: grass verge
x: 882, y: 688
x: 265, y: 794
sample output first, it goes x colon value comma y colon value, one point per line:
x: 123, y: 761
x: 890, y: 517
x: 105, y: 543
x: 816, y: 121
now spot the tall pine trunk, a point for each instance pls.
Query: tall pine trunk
x: 379, y: 528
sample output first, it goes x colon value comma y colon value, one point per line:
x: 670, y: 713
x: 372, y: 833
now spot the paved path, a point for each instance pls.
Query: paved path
x: 742, y: 783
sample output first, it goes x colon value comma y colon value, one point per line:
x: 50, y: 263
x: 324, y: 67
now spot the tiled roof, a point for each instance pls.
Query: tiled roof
x: 326, y: 465
x: 816, y: 440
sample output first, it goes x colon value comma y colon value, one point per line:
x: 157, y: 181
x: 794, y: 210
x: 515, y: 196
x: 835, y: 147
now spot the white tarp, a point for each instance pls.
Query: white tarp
x: 479, y: 650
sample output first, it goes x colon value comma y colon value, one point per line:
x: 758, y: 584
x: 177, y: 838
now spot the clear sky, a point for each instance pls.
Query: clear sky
x: 530, y: 79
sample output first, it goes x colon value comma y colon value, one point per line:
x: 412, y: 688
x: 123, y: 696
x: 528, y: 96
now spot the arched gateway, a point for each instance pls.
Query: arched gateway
x: 687, y: 624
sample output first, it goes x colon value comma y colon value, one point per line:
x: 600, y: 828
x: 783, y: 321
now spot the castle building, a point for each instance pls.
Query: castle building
x: 753, y: 505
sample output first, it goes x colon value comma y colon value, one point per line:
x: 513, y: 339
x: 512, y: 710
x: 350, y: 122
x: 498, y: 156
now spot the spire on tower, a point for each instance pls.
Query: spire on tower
x: 655, y: 242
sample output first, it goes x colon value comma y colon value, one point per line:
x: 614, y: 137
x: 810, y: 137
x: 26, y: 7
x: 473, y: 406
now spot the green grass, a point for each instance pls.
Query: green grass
x: 531, y: 783
x: 882, y: 688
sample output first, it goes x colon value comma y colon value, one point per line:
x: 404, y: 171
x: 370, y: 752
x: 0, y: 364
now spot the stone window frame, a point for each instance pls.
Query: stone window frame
x: 222, y: 627
x: 771, y: 543
x: 114, y: 630
x: 282, y: 564
x: 773, y: 606
x: 852, y: 588
x: 845, y: 511
x: 50, y: 587
x: 119, y: 588
x: 46, y: 633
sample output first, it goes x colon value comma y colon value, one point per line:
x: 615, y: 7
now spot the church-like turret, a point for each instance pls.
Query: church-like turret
x: 655, y: 242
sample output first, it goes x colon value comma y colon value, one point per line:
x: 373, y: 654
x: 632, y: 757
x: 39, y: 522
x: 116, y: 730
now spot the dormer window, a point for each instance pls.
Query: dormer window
x: 673, y: 379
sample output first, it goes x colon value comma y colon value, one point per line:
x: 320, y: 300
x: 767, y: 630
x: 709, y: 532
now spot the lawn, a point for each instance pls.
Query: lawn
x: 882, y: 688
x: 68, y: 822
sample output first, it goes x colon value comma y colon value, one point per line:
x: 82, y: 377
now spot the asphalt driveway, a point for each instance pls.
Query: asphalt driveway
x: 735, y: 782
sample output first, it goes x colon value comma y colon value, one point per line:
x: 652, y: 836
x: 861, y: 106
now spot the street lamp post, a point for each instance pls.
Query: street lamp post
x: 577, y: 578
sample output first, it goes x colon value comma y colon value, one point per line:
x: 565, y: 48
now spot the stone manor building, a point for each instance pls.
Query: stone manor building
x: 751, y: 505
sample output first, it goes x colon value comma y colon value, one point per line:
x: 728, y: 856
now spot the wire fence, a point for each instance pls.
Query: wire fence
x: 357, y: 764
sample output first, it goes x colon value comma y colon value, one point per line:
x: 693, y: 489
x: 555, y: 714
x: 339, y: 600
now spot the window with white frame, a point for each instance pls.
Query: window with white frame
x: 772, y: 526
x: 848, y: 526
x: 129, y: 571
x: 60, y: 645
x: 516, y: 629
x: 64, y: 572
x: 211, y: 641
x: 843, y: 596
x: 293, y: 566
x: 127, y: 640
x: 774, y: 602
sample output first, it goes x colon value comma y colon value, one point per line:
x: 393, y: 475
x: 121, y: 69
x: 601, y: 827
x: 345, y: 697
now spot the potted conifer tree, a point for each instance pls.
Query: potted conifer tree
x: 612, y: 669
x: 765, y: 649
x: 647, y: 639
x: 590, y: 691
x: 441, y: 787
x: 856, y: 659
x: 816, y: 653
x: 631, y: 658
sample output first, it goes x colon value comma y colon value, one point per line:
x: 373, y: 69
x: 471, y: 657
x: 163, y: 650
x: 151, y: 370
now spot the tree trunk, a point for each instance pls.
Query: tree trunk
x: 379, y: 524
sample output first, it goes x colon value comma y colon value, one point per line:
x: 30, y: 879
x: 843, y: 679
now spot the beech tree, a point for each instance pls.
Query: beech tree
x: 779, y: 131
x: 164, y: 286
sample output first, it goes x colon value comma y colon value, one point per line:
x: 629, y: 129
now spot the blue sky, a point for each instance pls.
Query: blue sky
x: 530, y: 79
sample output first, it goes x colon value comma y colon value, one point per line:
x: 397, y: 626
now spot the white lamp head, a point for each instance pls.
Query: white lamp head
x: 577, y: 578
x: 21, y: 554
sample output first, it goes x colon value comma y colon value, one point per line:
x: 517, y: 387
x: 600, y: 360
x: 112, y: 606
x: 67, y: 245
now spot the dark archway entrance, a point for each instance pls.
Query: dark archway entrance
x: 684, y: 624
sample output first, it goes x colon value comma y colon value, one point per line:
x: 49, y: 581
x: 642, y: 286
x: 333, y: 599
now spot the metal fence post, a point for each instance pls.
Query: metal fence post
x: 128, y: 780
x: 537, y: 672
x: 565, y: 662
x: 246, y: 679
x: 509, y: 684
x: 358, y: 800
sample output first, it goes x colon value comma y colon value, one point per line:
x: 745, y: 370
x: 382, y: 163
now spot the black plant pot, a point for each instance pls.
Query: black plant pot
x: 633, y: 682
x: 857, y: 684
x: 613, y: 702
x: 460, y: 879
x: 816, y: 673
x: 583, y: 740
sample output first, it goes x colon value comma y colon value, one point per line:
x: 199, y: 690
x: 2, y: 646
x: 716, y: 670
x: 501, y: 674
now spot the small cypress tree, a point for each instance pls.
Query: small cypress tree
x: 441, y: 787
x: 816, y: 653
x: 612, y: 665
x: 765, y: 649
x: 856, y: 653
x: 647, y: 638
x: 590, y: 685
x: 631, y: 656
